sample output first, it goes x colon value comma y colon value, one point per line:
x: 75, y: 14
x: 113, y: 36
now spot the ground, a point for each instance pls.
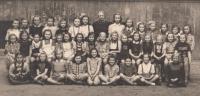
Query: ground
x: 75, y: 90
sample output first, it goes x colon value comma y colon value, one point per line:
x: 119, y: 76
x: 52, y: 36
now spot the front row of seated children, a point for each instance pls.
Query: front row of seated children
x: 90, y: 71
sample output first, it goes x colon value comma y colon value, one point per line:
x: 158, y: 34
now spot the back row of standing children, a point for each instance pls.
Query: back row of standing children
x: 103, y: 51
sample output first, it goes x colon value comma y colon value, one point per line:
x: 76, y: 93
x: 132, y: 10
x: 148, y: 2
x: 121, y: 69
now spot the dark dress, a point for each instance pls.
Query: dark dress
x: 25, y: 47
x: 100, y: 26
x: 36, y: 30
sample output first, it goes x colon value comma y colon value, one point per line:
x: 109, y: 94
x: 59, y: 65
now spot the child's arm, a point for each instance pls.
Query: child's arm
x: 30, y: 51
x: 193, y: 43
x: 189, y: 57
x: 88, y: 67
x: 27, y: 70
x: 11, y: 70
x: 98, y: 67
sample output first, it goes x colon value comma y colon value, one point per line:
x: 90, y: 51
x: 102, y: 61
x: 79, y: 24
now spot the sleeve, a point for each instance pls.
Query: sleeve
x: 152, y: 69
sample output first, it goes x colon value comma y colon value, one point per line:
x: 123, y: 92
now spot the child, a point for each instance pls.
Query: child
x: 153, y: 30
x: 59, y: 69
x: 147, y: 45
x: 42, y: 69
x: 159, y: 56
x: 35, y: 47
x: 141, y: 29
x: 77, y: 70
x: 85, y: 27
x: 68, y: 51
x: 75, y: 28
x: 13, y: 30
x: 59, y: 42
x: 114, y: 44
x: 135, y: 49
x: 50, y: 26
x: 36, y: 27
x: 189, y: 36
x: 11, y: 49
x: 124, y: 52
x: 147, y: 72
x: 80, y: 45
x: 129, y: 29
x: 94, y: 67
x: 176, y: 31
x: 175, y: 72
x: 164, y: 30
x: 128, y: 72
x: 117, y: 25
x: 48, y: 44
x: 91, y: 41
x: 24, y: 26
x: 19, y: 71
x: 111, y: 71
x: 63, y: 27
x: 183, y: 48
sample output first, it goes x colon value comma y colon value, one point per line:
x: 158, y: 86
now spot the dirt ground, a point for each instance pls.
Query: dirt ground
x: 79, y: 90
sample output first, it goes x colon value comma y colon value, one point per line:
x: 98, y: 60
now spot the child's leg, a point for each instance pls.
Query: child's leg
x: 103, y: 78
x: 138, y: 61
x: 114, y: 79
x: 9, y: 61
x: 71, y: 77
x: 83, y: 76
x: 96, y: 80
x: 155, y: 77
x: 146, y: 81
x: 186, y: 68
x: 135, y: 78
x: 51, y: 80
x: 126, y: 79
x: 90, y: 81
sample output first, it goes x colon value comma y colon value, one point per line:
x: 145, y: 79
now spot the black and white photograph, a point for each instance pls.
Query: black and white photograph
x: 99, y: 48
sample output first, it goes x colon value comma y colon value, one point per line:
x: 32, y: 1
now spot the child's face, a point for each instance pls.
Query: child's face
x: 182, y: 38
x: 15, y: 24
x: 128, y: 62
x: 78, y: 59
x: 36, y: 20
x: 36, y: 38
x: 13, y: 38
x: 63, y: 24
x: 124, y: 38
x: 147, y: 38
x: 91, y: 38
x: 102, y: 36
x: 79, y: 38
x: 129, y: 23
x: 186, y: 29
x: 141, y: 27
x: 117, y: 18
x: 85, y: 20
x: 50, y: 22
x: 101, y: 15
x: 94, y: 53
x: 19, y: 58
x: 77, y: 22
x: 152, y: 26
x: 146, y: 59
x: 136, y: 37
x: 59, y: 38
x: 112, y: 61
x: 114, y: 36
x: 66, y: 37
x: 42, y: 57
x: 59, y: 55
x: 47, y: 35
x: 164, y: 27
x: 175, y: 30
x: 159, y: 39
x: 24, y: 23
x: 24, y: 36
x: 170, y: 37
x: 175, y: 58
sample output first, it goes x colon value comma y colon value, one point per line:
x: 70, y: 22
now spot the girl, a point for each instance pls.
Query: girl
x: 24, y: 25
x: 68, y: 51
x: 153, y: 30
x: 11, y: 49
x: 59, y: 69
x: 25, y: 45
x: 159, y: 56
x: 13, y: 30
x: 129, y: 28
x: 189, y: 36
x: 164, y: 30
x: 80, y: 45
x: 111, y: 71
x: 135, y: 49
x: 147, y: 72
x: 183, y: 48
x: 114, y: 44
x: 117, y: 25
x: 85, y: 27
x: 75, y: 28
x: 50, y: 26
x: 141, y: 29
x: 94, y: 67
x: 42, y: 69
x: 91, y: 41
x: 147, y: 45
x: 128, y: 72
x: 77, y: 70
x: 47, y: 44
x: 59, y: 42
x: 35, y: 47
x: 176, y: 32
x: 63, y: 27
x: 19, y: 71
x: 124, y: 52
x: 36, y: 27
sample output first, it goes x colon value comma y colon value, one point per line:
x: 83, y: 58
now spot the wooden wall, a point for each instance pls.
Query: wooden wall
x: 178, y: 12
